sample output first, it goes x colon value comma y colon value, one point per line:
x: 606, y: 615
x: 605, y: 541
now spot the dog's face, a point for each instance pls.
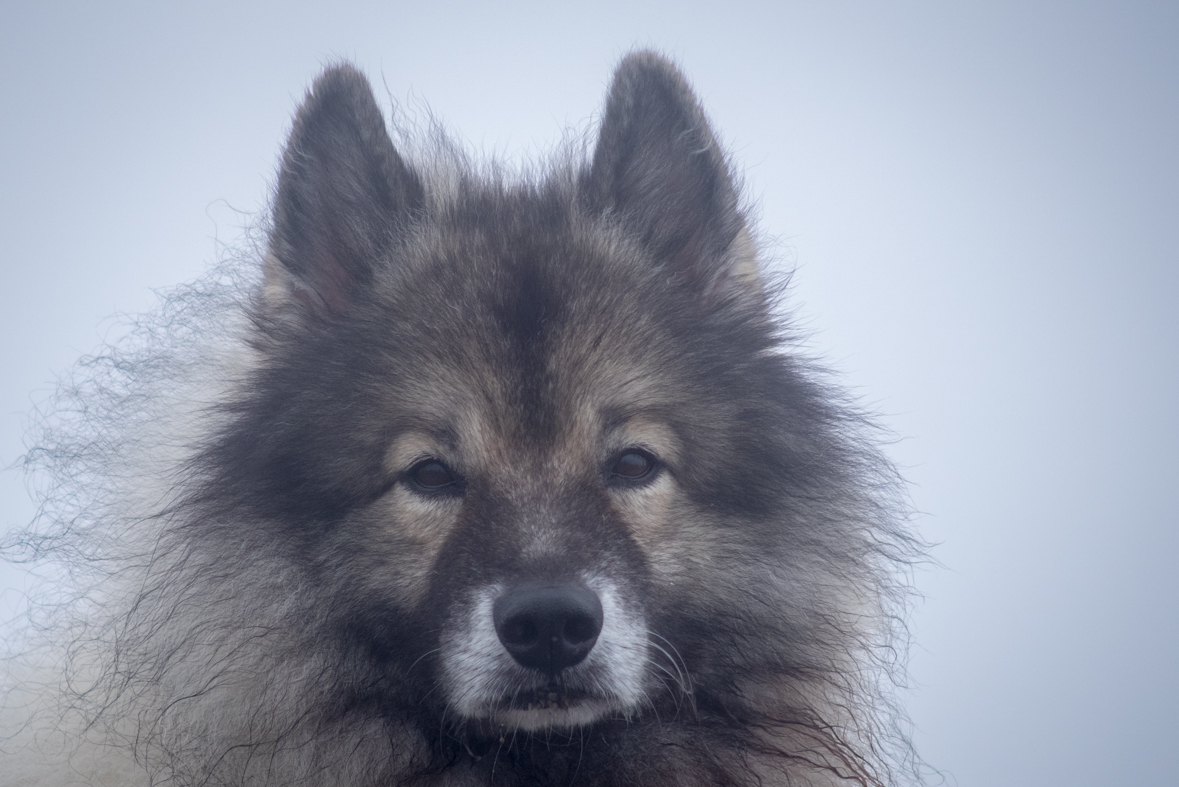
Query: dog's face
x: 533, y: 470
x: 522, y: 436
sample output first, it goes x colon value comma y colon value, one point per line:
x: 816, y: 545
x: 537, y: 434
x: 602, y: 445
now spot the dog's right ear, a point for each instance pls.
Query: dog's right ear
x: 344, y: 195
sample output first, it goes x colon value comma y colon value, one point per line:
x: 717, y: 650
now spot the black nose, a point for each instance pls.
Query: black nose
x: 548, y: 626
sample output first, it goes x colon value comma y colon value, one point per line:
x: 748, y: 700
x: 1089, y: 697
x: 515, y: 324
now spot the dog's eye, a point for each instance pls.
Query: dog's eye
x: 633, y: 465
x: 430, y: 475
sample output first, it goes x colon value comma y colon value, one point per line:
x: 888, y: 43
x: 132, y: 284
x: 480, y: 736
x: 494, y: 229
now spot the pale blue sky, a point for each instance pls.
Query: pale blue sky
x: 982, y: 202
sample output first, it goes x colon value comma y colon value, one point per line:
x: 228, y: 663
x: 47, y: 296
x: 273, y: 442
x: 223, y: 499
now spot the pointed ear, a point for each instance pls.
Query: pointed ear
x: 658, y: 169
x: 344, y: 195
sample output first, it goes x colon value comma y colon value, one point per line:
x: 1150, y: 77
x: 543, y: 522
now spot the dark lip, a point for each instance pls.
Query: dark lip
x: 549, y: 698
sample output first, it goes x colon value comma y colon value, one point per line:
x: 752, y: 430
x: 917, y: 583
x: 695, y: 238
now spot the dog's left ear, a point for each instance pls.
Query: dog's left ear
x: 659, y: 171
x: 344, y: 197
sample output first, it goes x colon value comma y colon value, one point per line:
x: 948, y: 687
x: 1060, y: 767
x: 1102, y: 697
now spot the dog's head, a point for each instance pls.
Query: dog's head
x: 534, y: 442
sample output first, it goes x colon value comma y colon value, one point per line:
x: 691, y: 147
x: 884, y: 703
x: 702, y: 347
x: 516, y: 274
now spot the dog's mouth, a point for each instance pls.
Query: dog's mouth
x: 552, y: 708
x: 549, y: 698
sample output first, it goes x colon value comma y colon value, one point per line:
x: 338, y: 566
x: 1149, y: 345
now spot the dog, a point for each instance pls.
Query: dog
x: 472, y: 479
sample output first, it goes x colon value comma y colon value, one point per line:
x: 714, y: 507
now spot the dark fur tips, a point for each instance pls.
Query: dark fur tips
x: 659, y: 169
x: 343, y: 194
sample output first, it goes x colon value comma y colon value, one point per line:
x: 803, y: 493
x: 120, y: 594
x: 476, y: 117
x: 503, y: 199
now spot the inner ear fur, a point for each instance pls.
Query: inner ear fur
x: 343, y: 197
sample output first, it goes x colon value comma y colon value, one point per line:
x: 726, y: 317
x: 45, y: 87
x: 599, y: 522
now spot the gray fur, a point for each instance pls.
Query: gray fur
x: 257, y: 591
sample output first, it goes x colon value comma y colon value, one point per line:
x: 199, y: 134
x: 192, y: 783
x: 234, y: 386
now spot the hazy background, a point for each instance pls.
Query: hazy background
x: 982, y: 202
